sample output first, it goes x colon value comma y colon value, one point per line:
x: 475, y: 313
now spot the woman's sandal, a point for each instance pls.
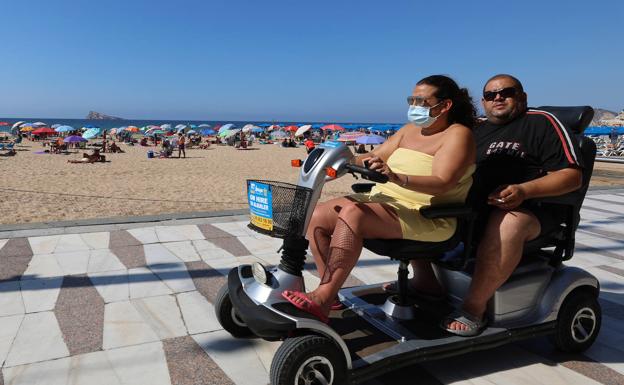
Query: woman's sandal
x: 302, y: 302
x: 475, y: 325
x: 337, y: 305
x: 393, y: 288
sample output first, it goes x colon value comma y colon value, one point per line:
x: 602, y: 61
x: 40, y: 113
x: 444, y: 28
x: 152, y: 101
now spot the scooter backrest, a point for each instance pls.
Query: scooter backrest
x: 575, y: 119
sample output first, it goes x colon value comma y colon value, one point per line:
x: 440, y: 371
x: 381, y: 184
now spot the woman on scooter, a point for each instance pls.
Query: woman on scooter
x: 429, y: 161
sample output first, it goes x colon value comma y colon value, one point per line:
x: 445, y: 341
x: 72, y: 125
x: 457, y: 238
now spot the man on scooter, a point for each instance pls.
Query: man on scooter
x: 522, y: 154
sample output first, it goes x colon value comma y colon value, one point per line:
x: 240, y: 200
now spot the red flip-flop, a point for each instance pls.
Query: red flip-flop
x: 302, y: 302
x: 337, y: 305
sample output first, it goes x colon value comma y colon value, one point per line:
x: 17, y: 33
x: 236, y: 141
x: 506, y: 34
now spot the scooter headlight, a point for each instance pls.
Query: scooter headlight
x: 260, y: 273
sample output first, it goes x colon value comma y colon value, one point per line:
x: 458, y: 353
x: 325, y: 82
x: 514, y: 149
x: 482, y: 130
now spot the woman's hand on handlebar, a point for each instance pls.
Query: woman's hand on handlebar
x: 377, y: 164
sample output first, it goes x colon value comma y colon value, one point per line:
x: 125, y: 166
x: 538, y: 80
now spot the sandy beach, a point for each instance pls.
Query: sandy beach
x: 45, y: 187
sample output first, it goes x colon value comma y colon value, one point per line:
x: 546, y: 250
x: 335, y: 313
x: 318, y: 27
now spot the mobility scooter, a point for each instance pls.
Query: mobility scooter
x: 378, y: 332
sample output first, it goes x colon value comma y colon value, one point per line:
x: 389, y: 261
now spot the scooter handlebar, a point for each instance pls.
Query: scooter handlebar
x: 367, y: 173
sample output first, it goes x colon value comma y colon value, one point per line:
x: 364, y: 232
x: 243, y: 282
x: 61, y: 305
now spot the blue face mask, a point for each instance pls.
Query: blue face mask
x: 419, y: 115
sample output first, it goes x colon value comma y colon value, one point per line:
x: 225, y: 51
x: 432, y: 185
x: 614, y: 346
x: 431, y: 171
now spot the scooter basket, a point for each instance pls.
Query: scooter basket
x: 277, y: 209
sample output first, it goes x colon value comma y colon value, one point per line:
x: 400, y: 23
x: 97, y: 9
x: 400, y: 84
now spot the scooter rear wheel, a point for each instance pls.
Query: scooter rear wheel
x: 308, y: 360
x: 227, y: 316
x: 578, y: 322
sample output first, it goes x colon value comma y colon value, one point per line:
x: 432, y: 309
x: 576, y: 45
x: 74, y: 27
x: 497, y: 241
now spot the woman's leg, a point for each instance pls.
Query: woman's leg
x: 321, y: 228
x: 355, y: 222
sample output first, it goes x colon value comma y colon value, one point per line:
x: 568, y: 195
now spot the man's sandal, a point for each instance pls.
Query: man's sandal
x: 474, y: 324
x: 393, y: 288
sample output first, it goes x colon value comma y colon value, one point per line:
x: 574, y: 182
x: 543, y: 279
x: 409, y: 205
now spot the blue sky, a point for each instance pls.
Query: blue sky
x: 294, y: 60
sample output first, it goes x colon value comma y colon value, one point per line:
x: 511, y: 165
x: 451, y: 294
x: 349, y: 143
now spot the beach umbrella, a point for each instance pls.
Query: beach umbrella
x: 274, y: 127
x: 370, y: 139
x: 191, y: 132
x: 248, y: 127
x: 25, y: 128
x: 257, y: 130
x: 44, y: 131
x: 333, y: 127
x: 93, y: 132
x: 54, y: 126
x: 205, y: 125
x: 291, y: 128
x: 39, y: 124
x: 279, y: 135
x: 208, y: 132
x: 350, y: 136
x: 17, y: 124
x: 132, y: 129
x: 180, y: 126
x: 155, y: 132
x: 165, y: 126
x: 230, y: 133
x: 4, y: 123
x: 303, y: 129
x: 64, y: 129
x: 226, y: 127
x: 74, y: 139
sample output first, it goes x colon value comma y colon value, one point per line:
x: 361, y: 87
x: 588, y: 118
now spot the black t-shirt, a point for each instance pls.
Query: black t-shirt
x: 524, y: 149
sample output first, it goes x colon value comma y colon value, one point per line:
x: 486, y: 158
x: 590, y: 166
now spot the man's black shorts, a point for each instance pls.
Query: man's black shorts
x: 549, y: 216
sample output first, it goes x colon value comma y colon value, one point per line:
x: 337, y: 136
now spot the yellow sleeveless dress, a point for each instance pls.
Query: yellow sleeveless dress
x: 407, y: 203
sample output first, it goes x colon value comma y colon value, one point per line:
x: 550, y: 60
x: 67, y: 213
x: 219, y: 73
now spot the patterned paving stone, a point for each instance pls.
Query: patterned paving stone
x: 40, y: 294
x: 11, y: 302
x: 207, y: 280
x: 91, y: 368
x: 199, y: 314
x: 140, y: 364
x: 124, y: 326
x: 112, y: 285
x: 14, y: 258
x: 80, y: 314
x: 229, y: 352
x: 189, y: 365
x: 183, y: 250
x: 162, y: 314
x: 43, y: 245
x: 212, y: 232
x: 224, y: 240
x: 39, y: 338
x: 169, y: 268
x: 96, y: 241
x: 127, y: 248
x: 8, y: 330
x: 43, y: 266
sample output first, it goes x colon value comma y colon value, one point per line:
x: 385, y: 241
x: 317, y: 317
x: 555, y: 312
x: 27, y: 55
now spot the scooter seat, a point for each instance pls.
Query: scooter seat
x: 405, y: 249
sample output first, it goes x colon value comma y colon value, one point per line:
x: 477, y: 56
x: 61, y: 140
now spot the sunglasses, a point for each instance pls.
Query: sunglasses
x: 504, y: 93
x: 418, y: 101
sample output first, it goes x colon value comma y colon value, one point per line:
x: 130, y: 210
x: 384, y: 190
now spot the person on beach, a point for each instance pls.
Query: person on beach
x: 181, y: 142
x: 430, y: 160
x: 521, y: 154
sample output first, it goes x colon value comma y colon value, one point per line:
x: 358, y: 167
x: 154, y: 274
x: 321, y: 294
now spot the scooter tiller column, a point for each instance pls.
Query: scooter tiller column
x: 293, y: 255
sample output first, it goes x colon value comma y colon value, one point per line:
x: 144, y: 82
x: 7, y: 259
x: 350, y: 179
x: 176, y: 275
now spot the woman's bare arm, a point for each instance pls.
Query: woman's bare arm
x: 450, y: 163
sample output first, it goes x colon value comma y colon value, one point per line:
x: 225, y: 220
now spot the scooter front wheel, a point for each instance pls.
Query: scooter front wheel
x: 308, y: 360
x: 227, y: 316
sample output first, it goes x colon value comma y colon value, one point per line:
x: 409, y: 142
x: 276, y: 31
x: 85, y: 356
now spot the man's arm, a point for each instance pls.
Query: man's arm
x: 553, y: 184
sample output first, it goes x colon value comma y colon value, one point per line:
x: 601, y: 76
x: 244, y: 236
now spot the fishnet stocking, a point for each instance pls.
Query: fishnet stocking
x: 344, y: 250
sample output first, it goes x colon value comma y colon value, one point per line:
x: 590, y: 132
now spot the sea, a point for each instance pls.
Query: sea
x: 109, y: 124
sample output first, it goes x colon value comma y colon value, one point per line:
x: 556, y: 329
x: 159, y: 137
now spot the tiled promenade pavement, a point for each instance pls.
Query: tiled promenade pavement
x: 133, y: 304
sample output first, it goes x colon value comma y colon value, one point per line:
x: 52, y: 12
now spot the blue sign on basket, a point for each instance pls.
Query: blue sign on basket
x: 260, y: 198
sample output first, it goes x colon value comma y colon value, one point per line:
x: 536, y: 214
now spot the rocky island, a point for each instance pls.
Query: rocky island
x: 101, y: 116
